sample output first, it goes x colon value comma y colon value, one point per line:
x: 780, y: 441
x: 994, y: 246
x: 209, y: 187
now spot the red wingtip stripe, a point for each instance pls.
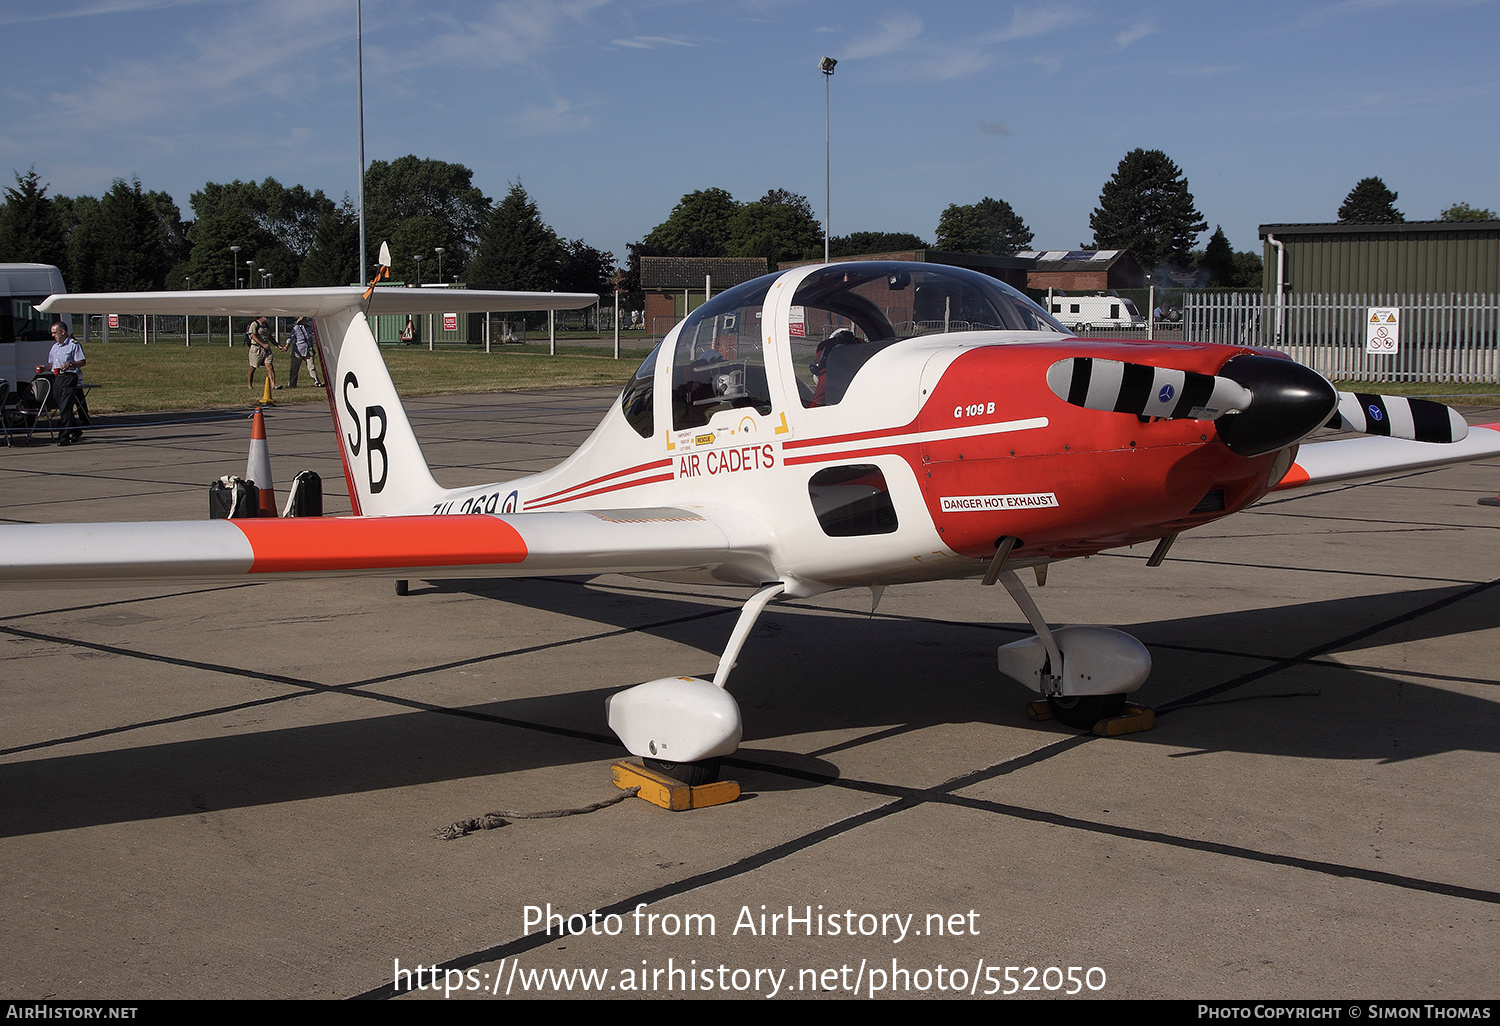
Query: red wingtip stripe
x: 374, y: 543
x: 1295, y: 478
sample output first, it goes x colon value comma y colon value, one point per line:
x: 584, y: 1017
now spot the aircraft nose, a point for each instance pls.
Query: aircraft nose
x: 1290, y: 402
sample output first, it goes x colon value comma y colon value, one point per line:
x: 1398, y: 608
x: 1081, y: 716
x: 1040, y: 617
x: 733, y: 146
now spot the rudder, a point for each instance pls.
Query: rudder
x: 383, y: 462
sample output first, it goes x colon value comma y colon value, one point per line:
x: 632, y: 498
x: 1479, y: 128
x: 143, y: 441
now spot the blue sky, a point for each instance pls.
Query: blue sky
x: 608, y: 111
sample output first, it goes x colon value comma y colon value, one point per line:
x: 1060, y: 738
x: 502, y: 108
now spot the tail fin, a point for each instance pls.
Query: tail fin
x: 382, y: 461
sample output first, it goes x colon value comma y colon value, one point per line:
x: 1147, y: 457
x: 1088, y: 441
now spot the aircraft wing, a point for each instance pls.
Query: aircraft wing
x: 509, y: 545
x: 1369, y: 456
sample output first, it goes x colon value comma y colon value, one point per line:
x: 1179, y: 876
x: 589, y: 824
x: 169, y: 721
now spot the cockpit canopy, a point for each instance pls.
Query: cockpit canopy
x: 841, y: 316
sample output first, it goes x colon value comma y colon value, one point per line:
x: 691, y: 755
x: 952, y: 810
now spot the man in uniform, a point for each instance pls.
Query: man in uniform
x: 66, y: 359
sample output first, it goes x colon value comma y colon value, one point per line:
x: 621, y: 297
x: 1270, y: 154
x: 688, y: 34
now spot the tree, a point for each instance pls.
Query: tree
x: 779, y: 226
x: 175, y: 242
x: 334, y: 256
x: 289, y: 216
x: 857, y: 243
x: 1370, y: 202
x: 1464, y: 212
x: 420, y: 236
x: 989, y: 226
x: 1146, y: 208
x: 31, y: 230
x: 214, y: 266
x: 1249, y: 270
x: 586, y: 269
x: 412, y: 187
x: 518, y: 251
x: 698, y: 226
x: 1218, y: 259
x: 274, y: 226
x: 118, y: 245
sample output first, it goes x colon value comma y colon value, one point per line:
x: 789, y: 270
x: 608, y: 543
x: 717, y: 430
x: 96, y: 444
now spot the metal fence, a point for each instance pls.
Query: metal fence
x: 1453, y: 337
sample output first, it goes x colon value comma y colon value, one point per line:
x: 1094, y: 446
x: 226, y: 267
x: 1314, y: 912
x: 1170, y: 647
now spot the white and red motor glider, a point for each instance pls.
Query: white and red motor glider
x: 835, y: 426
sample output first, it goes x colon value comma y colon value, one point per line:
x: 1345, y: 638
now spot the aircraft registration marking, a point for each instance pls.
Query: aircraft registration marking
x: 489, y: 502
x: 989, y: 503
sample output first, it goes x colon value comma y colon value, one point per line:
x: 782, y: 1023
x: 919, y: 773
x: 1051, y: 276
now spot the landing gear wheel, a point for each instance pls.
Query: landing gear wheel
x: 693, y: 774
x: 1081, y: 712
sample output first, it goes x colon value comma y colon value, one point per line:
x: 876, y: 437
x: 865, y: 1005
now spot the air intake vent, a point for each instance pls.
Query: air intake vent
x: 1213, y: 502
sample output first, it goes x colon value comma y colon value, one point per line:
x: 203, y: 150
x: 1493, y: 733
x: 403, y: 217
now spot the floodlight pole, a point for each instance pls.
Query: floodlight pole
x: 359, y: 64
x: 826, y: 67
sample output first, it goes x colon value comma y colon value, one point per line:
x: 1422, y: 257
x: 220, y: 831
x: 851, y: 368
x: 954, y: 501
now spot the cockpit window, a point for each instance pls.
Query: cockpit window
x: 720, y: 362
x: 844, y: 314
x: 636, y: 400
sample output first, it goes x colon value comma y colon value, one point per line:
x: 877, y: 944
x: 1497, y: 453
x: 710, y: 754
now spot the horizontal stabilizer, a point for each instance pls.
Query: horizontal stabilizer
x: 319, y: 302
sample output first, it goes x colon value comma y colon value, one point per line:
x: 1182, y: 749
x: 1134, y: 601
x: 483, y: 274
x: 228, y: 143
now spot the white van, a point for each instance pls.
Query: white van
x: 25, y: 334
x: 1087, y: 313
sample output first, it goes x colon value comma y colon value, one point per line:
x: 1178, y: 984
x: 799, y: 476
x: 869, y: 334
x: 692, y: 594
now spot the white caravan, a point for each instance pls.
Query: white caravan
x: 1086, y: 313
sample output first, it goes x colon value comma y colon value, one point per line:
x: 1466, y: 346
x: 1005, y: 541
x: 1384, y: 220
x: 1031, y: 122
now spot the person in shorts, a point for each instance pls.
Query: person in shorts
x: 261, y: 341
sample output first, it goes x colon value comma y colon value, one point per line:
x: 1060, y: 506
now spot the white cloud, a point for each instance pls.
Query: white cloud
x: 1135, y: 33
x: 57, y: 11
x: 557, y: 118
x: 650, y: 42
x: 204, y: 73
x: 509, y: 33
x: 894, y: 33
x: 1331, y: 12
x: 1030, y: 22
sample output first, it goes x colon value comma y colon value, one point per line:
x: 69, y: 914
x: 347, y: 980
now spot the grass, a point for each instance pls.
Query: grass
x: 1452, y: 391
x: 135, y: 378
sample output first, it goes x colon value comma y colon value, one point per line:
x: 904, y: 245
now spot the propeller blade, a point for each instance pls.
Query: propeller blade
x: 1112, y: 386
x: 1419, y: 420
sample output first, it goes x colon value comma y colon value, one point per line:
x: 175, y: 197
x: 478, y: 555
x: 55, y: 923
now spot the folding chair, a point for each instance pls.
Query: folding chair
x: 41, y: 394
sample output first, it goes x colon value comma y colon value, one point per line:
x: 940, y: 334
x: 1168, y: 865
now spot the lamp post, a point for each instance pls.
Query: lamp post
x: 826, y: 67
x: 249, y: 274
x: 234, y: 270
x: 187, y: 324
x: 439, y: 251
x: 419, y: 270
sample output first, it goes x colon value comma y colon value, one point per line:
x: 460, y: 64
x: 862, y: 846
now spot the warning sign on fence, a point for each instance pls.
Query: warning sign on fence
x: 450, y: 322
x: 1383, y: 330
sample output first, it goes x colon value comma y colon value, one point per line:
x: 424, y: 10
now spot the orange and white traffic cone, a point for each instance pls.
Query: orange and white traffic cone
x: 258, y: 467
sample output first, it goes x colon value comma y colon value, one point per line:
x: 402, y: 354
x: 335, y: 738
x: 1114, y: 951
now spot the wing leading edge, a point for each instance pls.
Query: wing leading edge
x: 1348, y: 459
